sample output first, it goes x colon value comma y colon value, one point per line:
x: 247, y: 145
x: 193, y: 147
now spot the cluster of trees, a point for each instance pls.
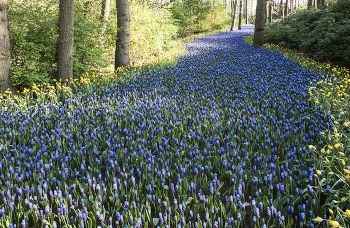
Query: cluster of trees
x: 264, y: 13
x: 187, y: 14
x: 53, y: 38
x: 65, y: 49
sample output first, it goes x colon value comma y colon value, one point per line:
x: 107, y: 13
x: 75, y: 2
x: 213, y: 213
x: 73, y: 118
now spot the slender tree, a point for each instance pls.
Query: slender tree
x: 5, y: 57
x: 270, y: 11
x: 105, y: 14
x: 259, y: 23
x: 105, y: 9
x: 240, y: 15
x: 320, y: 4
x: 123, y: 34
x: 234, y: 13
x: 65, y: 41
x: 286, y: 8
x: 246, y: 12
x: 282, y: 8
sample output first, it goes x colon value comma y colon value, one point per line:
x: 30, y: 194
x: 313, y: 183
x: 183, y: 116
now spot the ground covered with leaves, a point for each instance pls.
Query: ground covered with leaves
x: 221, y: 139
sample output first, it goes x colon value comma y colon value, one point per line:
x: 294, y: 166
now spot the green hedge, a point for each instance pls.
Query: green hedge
x: 323, y: 34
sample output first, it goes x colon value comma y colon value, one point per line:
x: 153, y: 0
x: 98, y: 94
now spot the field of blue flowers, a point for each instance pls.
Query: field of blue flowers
x: 221, y: 139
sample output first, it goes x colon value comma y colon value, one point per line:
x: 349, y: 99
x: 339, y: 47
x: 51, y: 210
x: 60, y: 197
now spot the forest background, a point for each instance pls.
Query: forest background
x: 155, y: 28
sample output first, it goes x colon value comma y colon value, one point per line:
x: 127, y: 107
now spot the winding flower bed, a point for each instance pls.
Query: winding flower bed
x: 221, y: 139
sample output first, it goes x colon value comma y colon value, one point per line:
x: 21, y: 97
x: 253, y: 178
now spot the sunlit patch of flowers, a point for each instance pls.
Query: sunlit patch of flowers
x: 226, y: 137
x: 331, y: 94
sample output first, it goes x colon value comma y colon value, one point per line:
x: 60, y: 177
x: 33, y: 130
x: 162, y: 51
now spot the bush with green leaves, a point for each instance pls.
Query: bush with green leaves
x: 323, y: 34
x: 34, y: 40
x: 195, y: 16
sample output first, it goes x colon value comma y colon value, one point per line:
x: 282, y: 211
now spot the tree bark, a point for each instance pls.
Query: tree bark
x: 282, y: 8
x: 234, y: 13
x: 105, y: 14
x: 270, y: 12
x: 105, y: 9
x: 123, y: 34
x: 320, y: 4
x: 246, y: 12
x: 286, y: 8
x: 240, y: 16
x: 65, y: 41
x: 5, y: 49
x: 259, y: 23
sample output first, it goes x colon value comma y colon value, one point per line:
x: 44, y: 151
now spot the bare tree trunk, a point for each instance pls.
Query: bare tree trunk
x: 309, y: 4
x: 282, y: 8
x: 105, y: 9
x: 240, y: 15
x: 234, y: 13
x: 320, y: 4
x: 246, y: 12
x: 65, y: 41
x: 5, y: 49
x: 123, y: 35
x: 105, y: 14
x: 259, y: 23
x: 266, y: 13
x: 286, y: 8
x: 270, y: 12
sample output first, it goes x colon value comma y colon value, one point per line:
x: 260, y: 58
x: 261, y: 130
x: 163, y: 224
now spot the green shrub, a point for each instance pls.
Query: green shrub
x: 323, y: 34
x: 34, y: 39
x: 152, y: 30
x: 196, y: 16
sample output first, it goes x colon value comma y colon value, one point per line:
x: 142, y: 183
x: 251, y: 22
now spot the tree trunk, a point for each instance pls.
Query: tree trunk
x: 270, y: 12
x: 234, y: 13
x: 282, y: 8
x: 65, y: 41
x: 105, y: 14
x: 286, y: 8
x: 309, y: 4
x: 320, y: 4
x: 246, y: 12
x: 5, y: 50
x: 266, y: 13
x: 123, y: 34
x: 240, y: 15
x: 259, y: 23
x: 105, y: 9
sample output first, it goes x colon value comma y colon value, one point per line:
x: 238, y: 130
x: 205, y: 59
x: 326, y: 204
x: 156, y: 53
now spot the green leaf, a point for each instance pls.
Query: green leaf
x: 155, y: 221
x: 112, y: 199
x: 188, y: 200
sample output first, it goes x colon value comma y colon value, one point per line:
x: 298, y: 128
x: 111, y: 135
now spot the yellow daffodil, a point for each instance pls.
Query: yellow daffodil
x: 343, y: 162
x: 318, y: 219
x: 341, y: 154
x: 330, y: 211
x: 347, y: 212
x: 323, y: 150
x: 337, y: 145
x: 319, y: 172
x: 334, y: 223
x: 347, y: 171
x: 312, y: 147
x: 330, y: 147
x: 331, y: 173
